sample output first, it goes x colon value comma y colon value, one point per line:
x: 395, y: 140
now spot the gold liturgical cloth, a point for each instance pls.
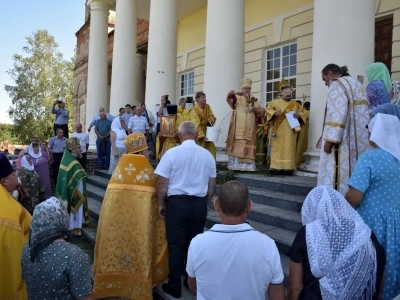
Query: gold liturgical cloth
x: 131, y: 253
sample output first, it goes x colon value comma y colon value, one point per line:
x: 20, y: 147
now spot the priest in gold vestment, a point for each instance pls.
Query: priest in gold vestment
x: 183, y: 112
x: 242, y: 140
x: 131, y: 254
x: 302, y: 138
x: 282, y: 138
x: 202, y: 116
x: 14, y: 233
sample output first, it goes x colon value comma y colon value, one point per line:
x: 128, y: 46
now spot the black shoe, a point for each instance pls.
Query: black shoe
x: 174, y: 293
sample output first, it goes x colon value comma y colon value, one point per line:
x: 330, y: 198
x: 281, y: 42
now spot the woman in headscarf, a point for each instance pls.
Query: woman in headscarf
x: 375, y: 190
x: 30, y: 184
x: 130, y: 255
x: 40, y: 161
x: 334, y: 255
x: 117, y: 138
x: 51, y: 267
x: 387, y: 109
x: 395, y: 92
x: 379, y: 86
x: 18, y: 161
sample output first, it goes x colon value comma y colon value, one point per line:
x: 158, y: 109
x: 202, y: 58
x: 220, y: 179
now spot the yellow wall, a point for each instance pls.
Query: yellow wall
x: 192, y: 30
x: 258, y: 11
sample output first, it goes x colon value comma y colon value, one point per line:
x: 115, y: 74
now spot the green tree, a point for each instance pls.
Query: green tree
x: 6, y: 134
x: 40, y: 77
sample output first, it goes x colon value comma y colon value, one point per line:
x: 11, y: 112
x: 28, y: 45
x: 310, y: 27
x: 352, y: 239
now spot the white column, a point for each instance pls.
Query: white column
x: 161, y: 56
x: 224, y: 57
x: 343, y: 34
x: 97, y: 64
x: 123, y: 80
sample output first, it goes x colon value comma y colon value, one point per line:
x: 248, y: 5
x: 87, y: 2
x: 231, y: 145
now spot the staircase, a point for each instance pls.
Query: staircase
x: 276, y: 210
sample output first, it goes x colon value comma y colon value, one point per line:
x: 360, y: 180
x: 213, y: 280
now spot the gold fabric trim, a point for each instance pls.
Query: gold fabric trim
x: 334, y: 124
x: 67, y: 168
x: 10, y: 223
x: 129, y: 187
x: 360, y: 102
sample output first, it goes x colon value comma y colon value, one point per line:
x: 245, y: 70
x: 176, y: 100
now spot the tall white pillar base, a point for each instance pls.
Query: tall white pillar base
x: 123, y: 80
x: 334, y: 42
x: 97, y: 89
x: 224, y: 58
x: 161, y: 57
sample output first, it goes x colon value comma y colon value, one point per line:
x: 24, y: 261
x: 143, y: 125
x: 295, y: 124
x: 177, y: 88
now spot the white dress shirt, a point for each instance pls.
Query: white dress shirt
x: 138, y: 124
x: 188, y: 168
x: 83, y: 139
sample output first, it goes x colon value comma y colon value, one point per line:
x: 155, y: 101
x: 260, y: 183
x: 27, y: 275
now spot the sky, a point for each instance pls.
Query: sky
x: 20, y: 18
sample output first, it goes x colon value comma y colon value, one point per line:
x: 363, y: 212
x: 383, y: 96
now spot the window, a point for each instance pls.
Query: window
x: 187, y: 84
x: 281, y: 62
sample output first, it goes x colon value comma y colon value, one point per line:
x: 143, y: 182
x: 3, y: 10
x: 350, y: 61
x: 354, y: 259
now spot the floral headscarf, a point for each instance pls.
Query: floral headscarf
x: 49, y: 222
x: 396, y: 92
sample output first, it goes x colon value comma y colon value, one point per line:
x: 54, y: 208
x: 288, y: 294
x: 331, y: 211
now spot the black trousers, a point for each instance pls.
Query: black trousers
x: 63, y: 127
x: 185, y: 218
x: 57, y: 157
x: 82, y: 160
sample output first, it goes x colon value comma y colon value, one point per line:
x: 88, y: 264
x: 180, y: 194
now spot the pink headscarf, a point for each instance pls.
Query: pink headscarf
x: 18, y: 161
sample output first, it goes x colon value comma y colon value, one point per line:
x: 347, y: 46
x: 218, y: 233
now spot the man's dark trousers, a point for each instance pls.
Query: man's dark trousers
x: 185, y: 218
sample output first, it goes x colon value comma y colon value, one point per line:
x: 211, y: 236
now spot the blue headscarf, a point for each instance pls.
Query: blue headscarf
x: 387, y: 109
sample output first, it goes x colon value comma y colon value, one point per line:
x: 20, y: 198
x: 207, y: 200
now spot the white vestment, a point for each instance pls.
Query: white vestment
x: 345, y: 122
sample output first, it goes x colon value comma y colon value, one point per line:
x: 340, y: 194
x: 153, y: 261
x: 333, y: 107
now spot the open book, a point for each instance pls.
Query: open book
x: 293, y: 122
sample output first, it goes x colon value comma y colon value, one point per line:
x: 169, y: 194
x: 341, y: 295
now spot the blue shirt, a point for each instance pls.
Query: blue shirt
x: 57, y: 145
x: 103, y: 127
x: 96, y: 118
x: 377, y: 94
x: 62, y: 115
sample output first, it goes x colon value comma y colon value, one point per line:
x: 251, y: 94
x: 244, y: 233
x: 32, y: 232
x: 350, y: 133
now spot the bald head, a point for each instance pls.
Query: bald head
x: 78, y: 128
x: 233, y: 198
x: 187, y: 128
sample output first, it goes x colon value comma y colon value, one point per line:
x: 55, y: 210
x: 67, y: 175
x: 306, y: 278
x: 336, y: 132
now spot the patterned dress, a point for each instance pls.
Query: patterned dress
x: 60, y: 271
x: 376, y: 175
x: 30, y: 181
x: 377, y: 94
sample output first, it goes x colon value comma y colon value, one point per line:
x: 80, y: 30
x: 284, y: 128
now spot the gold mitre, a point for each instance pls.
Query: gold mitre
x: 135, y: 142
x: 246, y: 82
x: 282, y: 84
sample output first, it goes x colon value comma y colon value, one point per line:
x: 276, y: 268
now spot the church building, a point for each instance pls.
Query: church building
x: 133, y: 51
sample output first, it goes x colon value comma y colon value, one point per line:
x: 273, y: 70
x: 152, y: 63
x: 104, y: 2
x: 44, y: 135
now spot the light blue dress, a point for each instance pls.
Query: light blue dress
x: 377, y: 175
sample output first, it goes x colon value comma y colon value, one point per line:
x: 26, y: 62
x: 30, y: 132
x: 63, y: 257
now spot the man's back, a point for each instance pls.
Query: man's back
x: 187, y: 166
x: 233, y: 262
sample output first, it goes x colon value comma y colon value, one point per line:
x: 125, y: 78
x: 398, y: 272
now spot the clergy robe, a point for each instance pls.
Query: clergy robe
x: 14, y: 233
x: 282, y: 138
x: 302, y: 139
x: 242, y: 141
x: 345, y: 123
x: 200, y: 116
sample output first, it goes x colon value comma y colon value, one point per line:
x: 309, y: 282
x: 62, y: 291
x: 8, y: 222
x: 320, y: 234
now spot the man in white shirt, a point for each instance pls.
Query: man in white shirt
x: 138, y: 123
x: 187, y: 178
x: 83, y: 141
x: 232, y: 260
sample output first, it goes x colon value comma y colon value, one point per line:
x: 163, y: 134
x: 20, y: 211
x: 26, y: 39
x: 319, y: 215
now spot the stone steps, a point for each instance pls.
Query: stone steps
x: 276, y: 210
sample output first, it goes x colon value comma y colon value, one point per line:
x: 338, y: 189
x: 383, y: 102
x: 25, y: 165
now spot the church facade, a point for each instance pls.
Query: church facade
x: 200, y: 45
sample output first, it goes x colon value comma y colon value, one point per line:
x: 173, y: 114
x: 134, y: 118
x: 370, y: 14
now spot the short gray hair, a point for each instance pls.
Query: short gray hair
x: 187, y: 128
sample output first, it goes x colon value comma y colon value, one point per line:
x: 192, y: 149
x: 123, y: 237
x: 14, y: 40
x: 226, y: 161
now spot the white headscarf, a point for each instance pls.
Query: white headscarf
x: 385, y: 133
x: 26, y: 165
x: 339, y: 246
x: 32, y: 153
x: 117, y: 128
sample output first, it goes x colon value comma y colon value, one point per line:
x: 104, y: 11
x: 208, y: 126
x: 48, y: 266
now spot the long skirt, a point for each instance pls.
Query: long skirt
x: 114, y: 159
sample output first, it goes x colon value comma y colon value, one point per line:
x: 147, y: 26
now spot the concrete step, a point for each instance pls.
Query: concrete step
x: 95, y: 192
x: 295, y: 185
x: 98, y: 181
x: 283, y: 238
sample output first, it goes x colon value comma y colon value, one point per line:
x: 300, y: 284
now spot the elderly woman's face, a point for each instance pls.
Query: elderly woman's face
x: 29, y: 159
x: 43, y: 146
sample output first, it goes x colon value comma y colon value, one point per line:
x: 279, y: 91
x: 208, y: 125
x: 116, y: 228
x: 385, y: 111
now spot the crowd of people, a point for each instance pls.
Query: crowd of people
x: 151, y: 223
